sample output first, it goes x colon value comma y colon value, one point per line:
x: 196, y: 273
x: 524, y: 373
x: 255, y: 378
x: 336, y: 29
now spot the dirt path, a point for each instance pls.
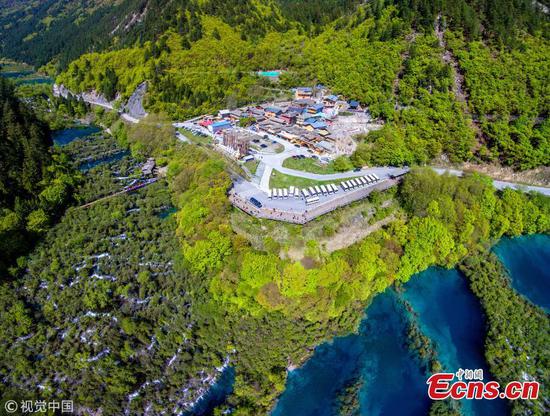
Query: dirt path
x: 346, y: 237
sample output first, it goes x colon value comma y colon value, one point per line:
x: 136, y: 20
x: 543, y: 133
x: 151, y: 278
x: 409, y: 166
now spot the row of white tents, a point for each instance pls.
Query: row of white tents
x: 312, y: 193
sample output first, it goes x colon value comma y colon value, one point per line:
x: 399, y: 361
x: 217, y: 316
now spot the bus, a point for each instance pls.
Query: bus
x: 285, y: 193
x: 334, y: 187
x: 296, y: 193
x: 363, y: 181
x: 256, y: 203
x: 305, y: 193
x: 369, y: 180
x: 376, y: 177
x: 317, y: 190
x: 291, y: 190
x: 324, y: 189
x: 344, y: 186
x: 372, y: 178
x: 269, y: 194
x: 312, y: 200
x: 312, y: 191
x: 329, y: 189
x: 279, y: 193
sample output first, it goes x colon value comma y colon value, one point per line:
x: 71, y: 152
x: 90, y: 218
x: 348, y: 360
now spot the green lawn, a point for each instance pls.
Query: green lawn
x: 309, y: 164
x: 194, y: 138
x: 280, y: 180
x: 252, y: 165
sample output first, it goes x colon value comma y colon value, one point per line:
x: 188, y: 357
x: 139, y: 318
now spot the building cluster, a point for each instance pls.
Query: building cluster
x: 305, y: 121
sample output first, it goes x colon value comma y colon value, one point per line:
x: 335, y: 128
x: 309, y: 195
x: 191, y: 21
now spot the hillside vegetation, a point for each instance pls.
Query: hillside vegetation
x: 385, y: 56
x: 35, y: 182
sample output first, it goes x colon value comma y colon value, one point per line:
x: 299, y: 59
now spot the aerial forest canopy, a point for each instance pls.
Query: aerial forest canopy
x: 36, y: 32
x: 34, y: 182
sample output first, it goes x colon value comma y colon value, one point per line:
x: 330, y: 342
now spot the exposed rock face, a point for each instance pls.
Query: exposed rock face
x: 92, y: 97
x: 134, y: 106
x: 132, y: 111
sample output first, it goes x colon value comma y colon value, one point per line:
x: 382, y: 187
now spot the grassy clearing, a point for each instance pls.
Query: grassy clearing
x: 194, y: 138
x: 309, y: 165
x: 252, y: 165
x: 280, y: 180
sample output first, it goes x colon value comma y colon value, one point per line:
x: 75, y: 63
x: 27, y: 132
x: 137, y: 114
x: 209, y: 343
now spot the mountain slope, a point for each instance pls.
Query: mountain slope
x: 38, y: 31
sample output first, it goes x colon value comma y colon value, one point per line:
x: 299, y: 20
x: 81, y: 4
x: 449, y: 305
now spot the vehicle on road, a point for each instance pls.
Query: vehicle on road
x: 312, y: 200
x: 255, y: 202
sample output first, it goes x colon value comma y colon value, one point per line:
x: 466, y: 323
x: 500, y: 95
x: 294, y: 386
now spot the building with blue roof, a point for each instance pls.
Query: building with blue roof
x: 273, y: 112
x: 303, y: 92
x: 354, y: 105
x: 315, y: 108
x: 319, y: 125
x: 219, y: 126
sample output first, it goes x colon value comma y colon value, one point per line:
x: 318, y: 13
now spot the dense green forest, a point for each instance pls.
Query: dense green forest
x: 125, y: 260
x: 39, y: 31
x: 35, y: 182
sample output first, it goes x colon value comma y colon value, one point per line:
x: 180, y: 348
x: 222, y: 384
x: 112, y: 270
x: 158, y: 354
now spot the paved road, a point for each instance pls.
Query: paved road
x: 182, y: 138
x: 292, y: 209
x: 59, y: 90
x: 266, y: 175
x: 500, y: 184
x: 275, y: 162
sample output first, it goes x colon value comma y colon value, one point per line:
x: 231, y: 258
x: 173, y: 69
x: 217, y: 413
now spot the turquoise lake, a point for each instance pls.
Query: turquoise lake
x: 65, y: 136
x: 394, y: 383
x: 26, y: 77
x: 445, y: 310
x: 107, y: 159
x: 216, y: 395
x: 451, y: 316
x: 527, y: 260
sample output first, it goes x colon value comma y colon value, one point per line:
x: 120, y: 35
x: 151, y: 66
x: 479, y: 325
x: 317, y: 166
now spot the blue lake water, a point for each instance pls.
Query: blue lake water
x: 451, y: 316
x: 527, y: 260
x: 26, y: 77
x: 217, y: 394
x: 36, y: 80
x: 168, y: 212
x: 108, y: 159
x: 65, y: 136
x: 394, y: 383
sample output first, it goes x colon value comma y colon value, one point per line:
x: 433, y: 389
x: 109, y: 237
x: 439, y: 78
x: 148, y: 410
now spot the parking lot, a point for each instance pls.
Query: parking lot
x: 295, y: 210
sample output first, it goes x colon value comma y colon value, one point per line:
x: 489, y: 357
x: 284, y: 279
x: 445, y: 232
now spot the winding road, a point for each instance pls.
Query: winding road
x: 274, y: 161
x: 499, y: 184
